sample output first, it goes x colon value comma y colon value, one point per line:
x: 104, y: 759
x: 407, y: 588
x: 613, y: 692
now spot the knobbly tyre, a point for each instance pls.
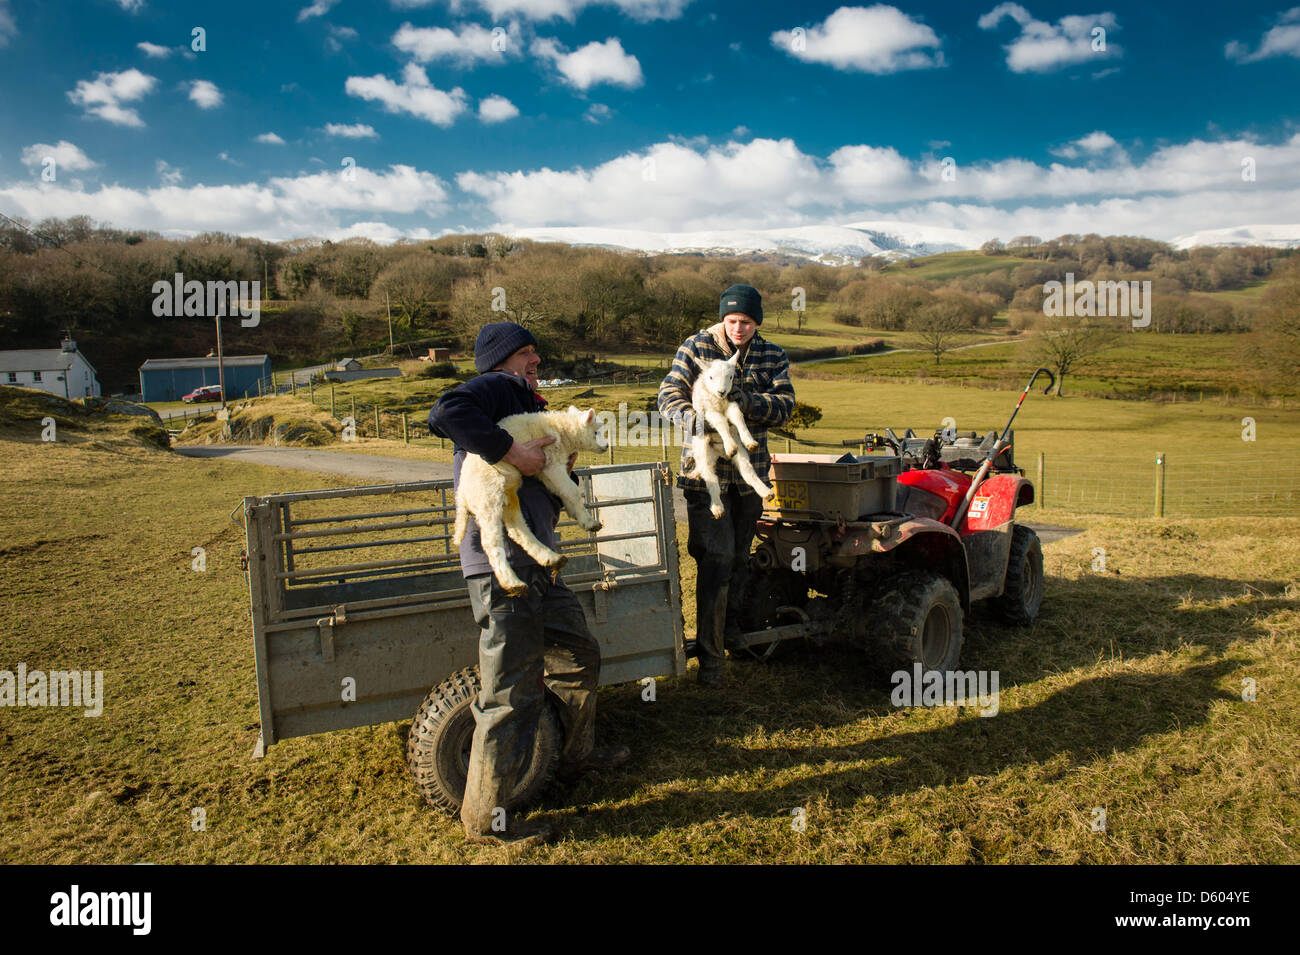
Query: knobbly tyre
x: 359, y: 607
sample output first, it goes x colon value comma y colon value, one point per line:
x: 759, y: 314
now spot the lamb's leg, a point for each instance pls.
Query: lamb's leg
x: 737, y: 417
x: 556, y: 479
x: 746, y: 469
x: 706, y: 458
x: 494, y: 546
x: 523, y: 535
x: 718, y: 422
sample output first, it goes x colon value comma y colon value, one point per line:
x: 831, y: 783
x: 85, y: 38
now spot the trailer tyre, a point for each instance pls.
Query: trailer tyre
x: 1023, y: 594
x: 438, y: 746
x: 920, y: 616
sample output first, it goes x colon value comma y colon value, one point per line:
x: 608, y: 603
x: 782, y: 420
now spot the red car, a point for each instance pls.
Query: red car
x: 206, y: 393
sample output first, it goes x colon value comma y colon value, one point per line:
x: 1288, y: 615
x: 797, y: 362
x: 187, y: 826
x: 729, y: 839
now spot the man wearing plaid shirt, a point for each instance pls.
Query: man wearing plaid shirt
x: 721, y: 546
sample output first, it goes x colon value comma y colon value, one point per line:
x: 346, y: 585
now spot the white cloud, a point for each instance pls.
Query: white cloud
x: 1095, y: 142
x: 205, y: 94
x: 104, y: 95
x: 769, y: 183
x: 594, y: 63
x: 168, y: 174
x: 878, y: 39
x: 496, y: 109
x: 8, y: 28
x: 414, y: 95
x: 270, y: 139
x: 354, y: 131
x: 465, y: 47
x: 66, y: 156
x: 317, y: 9
x: 597, y: 113
x: 642, y: 11
x: 131, y: 6
x: 154, y: 51
x: 1043, y: 46
x: 1283, y: 39
x: 281, y: 208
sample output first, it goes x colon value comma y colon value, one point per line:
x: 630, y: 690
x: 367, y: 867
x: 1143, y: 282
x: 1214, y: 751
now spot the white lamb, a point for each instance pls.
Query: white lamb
x: 709, y: 398
x: 491, y: 491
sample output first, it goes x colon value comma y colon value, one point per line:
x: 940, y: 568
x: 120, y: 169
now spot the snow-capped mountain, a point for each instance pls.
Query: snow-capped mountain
x: 1273, y: 236
x: 846, y: 244
x: 829, y: 244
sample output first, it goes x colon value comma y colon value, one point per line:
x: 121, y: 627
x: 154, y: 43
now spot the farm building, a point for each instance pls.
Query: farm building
x: 60, y: 371
x: 170, y: 379
x: 347, y: 364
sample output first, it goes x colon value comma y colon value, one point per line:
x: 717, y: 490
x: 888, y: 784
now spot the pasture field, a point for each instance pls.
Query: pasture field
x: 1129, y: 694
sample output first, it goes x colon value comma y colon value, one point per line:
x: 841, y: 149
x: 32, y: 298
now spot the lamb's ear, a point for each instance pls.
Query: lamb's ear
x: 588, y: 417
x: 574, y: 409
x: 734, y: 357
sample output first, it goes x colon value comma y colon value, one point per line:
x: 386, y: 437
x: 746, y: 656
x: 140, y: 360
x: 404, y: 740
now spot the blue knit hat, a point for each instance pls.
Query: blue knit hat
x: 744, y: 299
x: 497, y: 342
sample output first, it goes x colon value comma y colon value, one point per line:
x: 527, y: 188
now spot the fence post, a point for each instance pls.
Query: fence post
x: 354, y: 411
x: 787, y: 446
x: 406, y: 438
x: 1042, y: 479
x: 331, y: 401
x: 293, y: 384
x: 275, y: 389
x: 376, y: 421
x: 259, y: 387
x: 311, y: 391
x: 611, y: 452
x: 1160, y: 484
x: 442, y: 443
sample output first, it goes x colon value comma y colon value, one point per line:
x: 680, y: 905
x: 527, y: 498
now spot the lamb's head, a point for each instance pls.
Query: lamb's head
x: 588, y: 432
x: 718, y: 375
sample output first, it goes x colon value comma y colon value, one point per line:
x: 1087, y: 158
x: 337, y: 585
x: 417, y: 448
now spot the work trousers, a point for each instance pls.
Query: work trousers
x: 529, y: 644
x: 720, y: 547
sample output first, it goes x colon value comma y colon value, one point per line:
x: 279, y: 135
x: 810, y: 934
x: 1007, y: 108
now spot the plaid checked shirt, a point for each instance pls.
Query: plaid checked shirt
x: 764, y: 375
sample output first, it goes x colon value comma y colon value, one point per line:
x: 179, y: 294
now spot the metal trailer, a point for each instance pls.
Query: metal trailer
x: 359, y: 606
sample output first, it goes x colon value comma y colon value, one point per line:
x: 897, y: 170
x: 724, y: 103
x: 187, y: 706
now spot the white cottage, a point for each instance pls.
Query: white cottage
x: 60, y: 371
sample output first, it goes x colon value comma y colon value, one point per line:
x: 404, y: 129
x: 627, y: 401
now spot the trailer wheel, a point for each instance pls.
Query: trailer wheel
x: 437, y: 748
x: 1023, y: 595
x: 919, y: 614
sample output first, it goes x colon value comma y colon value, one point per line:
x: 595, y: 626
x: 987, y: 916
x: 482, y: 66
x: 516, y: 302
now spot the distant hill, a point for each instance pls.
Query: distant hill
x: 846, y: 244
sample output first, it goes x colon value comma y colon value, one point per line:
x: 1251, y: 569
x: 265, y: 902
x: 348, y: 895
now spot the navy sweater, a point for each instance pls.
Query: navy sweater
x: 468, y: 415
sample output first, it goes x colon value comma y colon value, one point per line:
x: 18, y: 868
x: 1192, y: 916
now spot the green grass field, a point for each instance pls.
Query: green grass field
x: 1126, y: 695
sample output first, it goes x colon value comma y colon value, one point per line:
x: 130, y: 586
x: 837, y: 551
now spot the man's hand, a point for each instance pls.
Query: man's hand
x: 528, y: 457
x: 739, y: 396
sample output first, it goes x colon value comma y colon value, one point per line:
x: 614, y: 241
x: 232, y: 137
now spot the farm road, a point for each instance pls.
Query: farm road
x: 381, y: 470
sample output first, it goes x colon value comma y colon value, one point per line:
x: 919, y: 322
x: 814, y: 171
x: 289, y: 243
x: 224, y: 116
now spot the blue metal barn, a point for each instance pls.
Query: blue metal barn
x: 170, y: 379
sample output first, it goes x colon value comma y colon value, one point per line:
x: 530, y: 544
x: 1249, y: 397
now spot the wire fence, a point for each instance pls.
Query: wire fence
x: 1249, y: 482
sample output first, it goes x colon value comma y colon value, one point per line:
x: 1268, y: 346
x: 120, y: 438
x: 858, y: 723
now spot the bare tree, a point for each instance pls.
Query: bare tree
x: 939, y: 326
x: 1066, y: 344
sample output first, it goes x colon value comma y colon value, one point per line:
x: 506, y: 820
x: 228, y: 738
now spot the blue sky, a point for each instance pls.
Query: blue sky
x: 649, y: 114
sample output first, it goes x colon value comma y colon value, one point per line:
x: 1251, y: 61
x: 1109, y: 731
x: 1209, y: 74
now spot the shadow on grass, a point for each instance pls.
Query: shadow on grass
x: 690, y: 734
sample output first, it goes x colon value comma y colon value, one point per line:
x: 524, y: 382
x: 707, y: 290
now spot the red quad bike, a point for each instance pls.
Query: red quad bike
x: 888, y: 552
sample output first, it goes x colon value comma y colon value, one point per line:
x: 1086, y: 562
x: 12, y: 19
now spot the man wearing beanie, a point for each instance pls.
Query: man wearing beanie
x: 542, y: 635
x: 763, y: 391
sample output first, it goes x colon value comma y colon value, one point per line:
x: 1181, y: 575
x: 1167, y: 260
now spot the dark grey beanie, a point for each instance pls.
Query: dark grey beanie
x: 744, y: 299
x: 497, y: 342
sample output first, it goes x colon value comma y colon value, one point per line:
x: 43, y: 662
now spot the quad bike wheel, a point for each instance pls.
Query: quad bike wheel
x: 1023, y: 595
x: 437, y: 748
x: 919, y: 615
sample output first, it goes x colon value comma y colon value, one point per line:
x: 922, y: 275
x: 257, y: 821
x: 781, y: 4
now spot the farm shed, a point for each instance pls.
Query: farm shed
x: 170, y: 379
x: 60, y: 371
x: 361, y: 373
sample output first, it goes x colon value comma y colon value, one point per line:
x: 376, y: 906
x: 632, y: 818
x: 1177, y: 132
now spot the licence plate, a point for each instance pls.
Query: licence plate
x: 792, y: 494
